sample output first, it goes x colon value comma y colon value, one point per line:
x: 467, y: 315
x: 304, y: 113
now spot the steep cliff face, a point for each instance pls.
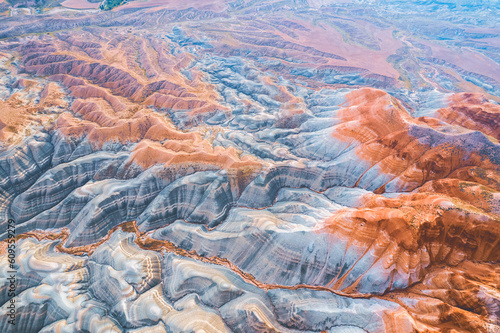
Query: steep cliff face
x: 251, y: 166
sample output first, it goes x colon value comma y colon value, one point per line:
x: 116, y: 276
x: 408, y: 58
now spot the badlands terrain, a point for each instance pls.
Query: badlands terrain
x: 250, y: 166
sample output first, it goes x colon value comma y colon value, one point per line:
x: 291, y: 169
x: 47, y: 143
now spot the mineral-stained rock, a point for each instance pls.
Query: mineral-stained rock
x: 21, y: 166
x: 320, y: 310
x: 57, y: 184
x: 250, y: 166
x: 473, y: 111
x: 204, y: 197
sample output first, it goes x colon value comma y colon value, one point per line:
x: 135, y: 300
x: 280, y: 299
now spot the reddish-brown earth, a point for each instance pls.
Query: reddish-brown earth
x: 379, y: 125
x: 216, y: 125
x: 473, y: 111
